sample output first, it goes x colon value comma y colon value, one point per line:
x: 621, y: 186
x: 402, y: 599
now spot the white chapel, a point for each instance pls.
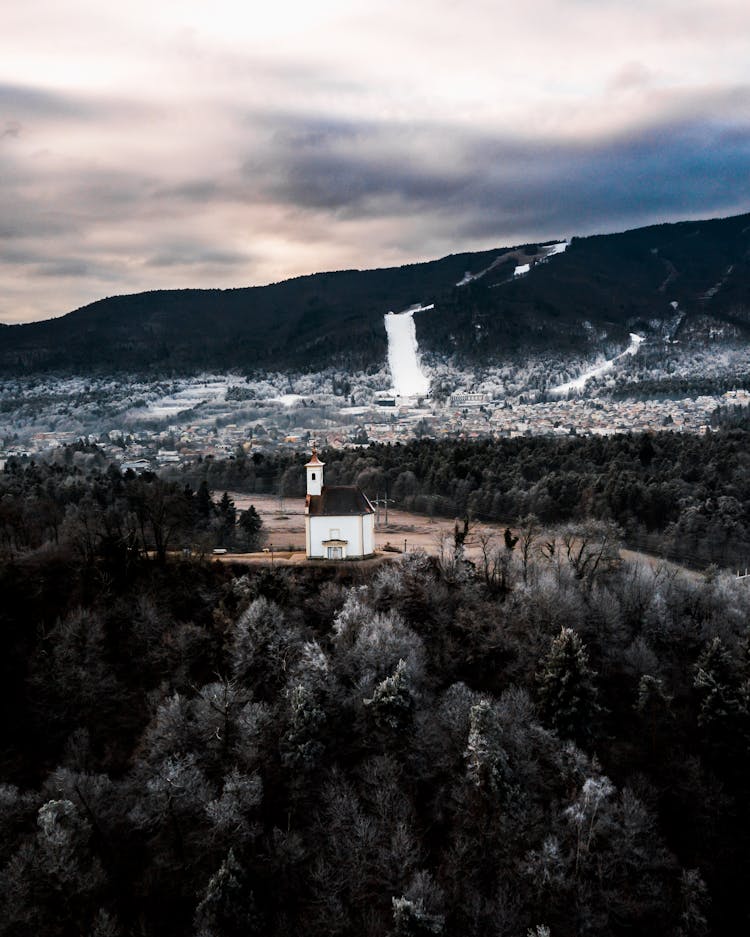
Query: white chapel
x: 339, y: 519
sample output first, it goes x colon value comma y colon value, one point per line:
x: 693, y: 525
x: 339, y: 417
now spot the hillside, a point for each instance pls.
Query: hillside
x: 690, y: 277
x: 546, y: 742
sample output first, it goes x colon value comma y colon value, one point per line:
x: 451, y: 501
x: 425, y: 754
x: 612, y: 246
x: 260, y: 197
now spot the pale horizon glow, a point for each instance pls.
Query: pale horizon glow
x: 184, y: 144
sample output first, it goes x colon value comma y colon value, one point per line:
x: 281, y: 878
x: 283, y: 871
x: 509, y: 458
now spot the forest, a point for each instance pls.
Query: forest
x: 547, y: 742
x: 535, y: 747
x: 676, y: 495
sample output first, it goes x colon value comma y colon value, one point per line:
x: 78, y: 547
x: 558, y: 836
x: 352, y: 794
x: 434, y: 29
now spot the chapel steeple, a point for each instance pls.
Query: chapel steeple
x: 314, y: 470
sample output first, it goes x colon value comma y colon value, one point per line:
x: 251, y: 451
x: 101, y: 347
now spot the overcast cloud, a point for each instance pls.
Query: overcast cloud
x: 184, y: 143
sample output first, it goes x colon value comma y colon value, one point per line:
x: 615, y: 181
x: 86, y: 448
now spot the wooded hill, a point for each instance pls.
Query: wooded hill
x: 601, y: 288
x: 418, y: 750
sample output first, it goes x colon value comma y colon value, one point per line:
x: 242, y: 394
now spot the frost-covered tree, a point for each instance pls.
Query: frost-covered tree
x: 723, y: 714
x: 721, y: 705
x: 233, y: 815
x: 695, y: 905
x: 53, y: 877
x: 301, y: 745
x: 585, y: 813
x: 653, y: 705
x: 215, y: 711
x: 392, y: 702
x: 172, y: 806
x: 487, y: 767
x: 419, y: 912
x: 227, y: 906
x: 566, y: 688
x: 95, y: 797
x: 370, y: 644
x: 259, y: 647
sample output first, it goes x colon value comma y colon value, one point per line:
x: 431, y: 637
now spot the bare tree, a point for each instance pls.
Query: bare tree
x: 528, y: 532
x: 590, y: 547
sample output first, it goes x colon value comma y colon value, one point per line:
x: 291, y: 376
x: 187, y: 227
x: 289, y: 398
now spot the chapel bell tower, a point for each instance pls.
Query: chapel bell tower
x: 314, y: 473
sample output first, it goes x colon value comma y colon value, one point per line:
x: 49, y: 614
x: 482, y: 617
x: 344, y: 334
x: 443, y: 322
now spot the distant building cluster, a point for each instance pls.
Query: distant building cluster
x: 468, y: 399
x: 466, y: 413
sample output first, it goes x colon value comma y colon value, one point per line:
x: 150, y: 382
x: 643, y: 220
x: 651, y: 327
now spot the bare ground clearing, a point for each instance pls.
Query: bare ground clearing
x: 284, y: 526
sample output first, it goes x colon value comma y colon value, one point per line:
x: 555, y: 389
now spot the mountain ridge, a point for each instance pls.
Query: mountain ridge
x: 596, y: 291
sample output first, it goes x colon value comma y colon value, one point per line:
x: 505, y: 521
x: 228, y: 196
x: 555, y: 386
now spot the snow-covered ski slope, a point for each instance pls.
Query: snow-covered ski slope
x: 578, y: 383
x: 409, y: 380
x: 550, y: 250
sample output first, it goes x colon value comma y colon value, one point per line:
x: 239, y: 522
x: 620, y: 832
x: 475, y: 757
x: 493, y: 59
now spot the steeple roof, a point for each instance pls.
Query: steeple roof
x: 314, y: 460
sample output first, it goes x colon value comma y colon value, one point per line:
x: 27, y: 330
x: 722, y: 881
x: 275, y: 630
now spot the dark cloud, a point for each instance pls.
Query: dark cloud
x: 64, y: 267
x: 182, y: 255
x: 11, y: 130
x: 422, y: 188
x: 197, y: 191
x: 18, y: 102
x: 21, y: 105
x: 488, y: 184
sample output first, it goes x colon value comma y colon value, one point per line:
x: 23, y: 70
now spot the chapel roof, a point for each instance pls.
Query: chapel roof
x: 339, y: 500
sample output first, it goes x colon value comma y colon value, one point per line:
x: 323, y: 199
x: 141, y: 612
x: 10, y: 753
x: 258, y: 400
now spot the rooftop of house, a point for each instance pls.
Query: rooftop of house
x: 339, y: 500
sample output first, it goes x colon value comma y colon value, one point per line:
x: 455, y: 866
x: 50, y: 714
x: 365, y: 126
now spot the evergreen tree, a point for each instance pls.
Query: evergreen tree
x: 695, y: 904
x: 227, y: 906
x: 567, y: 693
x: 720, y: 705
x: 723, y: 712
x: 392, y: 702
x: 227, y: 520
x: 486, y: 761
x: 653, y: 705
x: 301, y: 748
x: 418, y: 912
x: 204, y: 505
x: 250, y: 525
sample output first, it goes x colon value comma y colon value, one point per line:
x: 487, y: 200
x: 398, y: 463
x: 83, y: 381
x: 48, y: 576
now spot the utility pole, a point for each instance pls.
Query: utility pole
x: 378, y: 502
x: 386, y: 501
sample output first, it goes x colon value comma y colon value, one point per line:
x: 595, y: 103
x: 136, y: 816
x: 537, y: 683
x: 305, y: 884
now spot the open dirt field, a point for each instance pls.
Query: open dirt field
x: 284, y: 526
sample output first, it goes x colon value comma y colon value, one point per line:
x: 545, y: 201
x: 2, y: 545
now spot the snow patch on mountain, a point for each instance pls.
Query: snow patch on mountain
x: 578, y: 383
x: 186, y: 397
x: 549, y: 250
x: 409, y: 380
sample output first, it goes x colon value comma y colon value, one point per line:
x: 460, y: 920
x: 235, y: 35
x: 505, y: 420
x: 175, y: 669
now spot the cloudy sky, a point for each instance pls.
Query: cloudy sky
x: 173, y: 143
